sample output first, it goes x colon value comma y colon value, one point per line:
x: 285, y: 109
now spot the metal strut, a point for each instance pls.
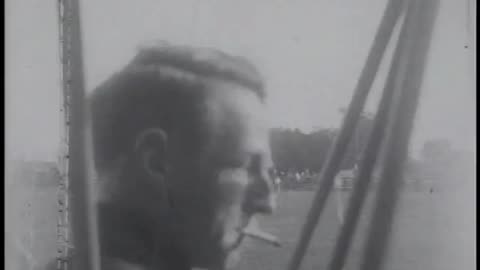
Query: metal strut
x: 83, y: 252
x: 336, y: 155
x: 398, y: 105
x: 422, y: 14
x: 63, y: 218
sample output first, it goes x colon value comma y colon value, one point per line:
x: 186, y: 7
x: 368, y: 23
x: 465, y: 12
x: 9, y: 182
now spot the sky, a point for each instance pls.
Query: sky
x: 310, y: 52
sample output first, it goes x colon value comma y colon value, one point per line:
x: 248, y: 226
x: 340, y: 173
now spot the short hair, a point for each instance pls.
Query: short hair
x: 161, y: 87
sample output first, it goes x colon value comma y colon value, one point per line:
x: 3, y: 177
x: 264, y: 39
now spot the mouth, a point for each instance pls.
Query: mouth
x: 237, y: 242
x: 252, y: 230
x: 248, y: 226
x: 233, y: 239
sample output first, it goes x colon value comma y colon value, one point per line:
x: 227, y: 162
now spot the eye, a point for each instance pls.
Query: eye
x: 258, y: 165
x: 254, y: 164
x: 234, y: 161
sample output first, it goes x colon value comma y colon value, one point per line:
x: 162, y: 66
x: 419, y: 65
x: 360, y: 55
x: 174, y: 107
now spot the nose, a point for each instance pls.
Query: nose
x: 260, y: 197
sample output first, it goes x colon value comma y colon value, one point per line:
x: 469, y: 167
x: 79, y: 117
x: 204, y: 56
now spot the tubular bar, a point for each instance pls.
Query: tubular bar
x: 382, y: 37
x: 370, y: 156
x: 423, y: 16
x: 85, y: 253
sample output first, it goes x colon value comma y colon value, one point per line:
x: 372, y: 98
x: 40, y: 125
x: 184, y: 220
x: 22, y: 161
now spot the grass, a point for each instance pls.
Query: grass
x: 433, y: 231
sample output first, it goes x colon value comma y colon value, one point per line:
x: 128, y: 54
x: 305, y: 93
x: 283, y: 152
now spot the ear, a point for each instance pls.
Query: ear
x: 150, y: 152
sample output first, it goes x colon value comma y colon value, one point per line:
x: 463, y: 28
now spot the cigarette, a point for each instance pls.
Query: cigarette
x: 263, y: 236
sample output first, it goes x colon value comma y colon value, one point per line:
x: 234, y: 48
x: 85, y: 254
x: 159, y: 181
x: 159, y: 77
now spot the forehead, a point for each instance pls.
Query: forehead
x: 237, y: 118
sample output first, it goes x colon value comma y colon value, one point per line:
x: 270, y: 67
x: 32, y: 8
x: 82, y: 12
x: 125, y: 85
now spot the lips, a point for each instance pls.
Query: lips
x: 232, y: 240
x: 237, y: 242
x: 254, y: 231
x: 250, y: 229
x: 232, y: 237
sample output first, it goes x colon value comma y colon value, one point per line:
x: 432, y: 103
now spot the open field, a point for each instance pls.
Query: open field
x: 433, y: 231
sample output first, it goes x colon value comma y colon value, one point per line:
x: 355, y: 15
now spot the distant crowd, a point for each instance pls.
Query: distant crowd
x: 295, y: 179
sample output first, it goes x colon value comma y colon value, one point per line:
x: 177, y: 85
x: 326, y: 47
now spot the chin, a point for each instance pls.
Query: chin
x: 220, y: 252
x: 217, y: 243
x: 218, y: 260
x: 232, y: 259
x: 228, y: 258
x: 211, y: 252
x: 231, y: 245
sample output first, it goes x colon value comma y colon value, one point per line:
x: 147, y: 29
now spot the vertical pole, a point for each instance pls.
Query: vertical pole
x: 85, y: 253
x: 63, y: 230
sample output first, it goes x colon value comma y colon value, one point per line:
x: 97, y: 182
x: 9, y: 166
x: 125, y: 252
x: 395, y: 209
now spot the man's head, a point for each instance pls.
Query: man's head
x: 183, y: 133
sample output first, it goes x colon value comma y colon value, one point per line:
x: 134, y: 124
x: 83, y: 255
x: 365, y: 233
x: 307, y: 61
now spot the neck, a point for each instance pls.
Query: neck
x: 129, y: 236
x: 131, y: 230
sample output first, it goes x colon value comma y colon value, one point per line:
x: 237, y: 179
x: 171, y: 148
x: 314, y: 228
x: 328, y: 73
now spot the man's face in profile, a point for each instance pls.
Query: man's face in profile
x: 182, y: 138
x: 216, y: 191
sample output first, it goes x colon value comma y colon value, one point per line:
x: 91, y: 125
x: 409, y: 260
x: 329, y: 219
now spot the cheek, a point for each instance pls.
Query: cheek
x: 231, y: 184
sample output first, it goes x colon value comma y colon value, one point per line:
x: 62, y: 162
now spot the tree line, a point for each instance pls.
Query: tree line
x: 295, y: 150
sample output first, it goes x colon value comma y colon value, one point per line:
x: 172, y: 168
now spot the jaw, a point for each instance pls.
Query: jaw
x: 228, y: 262
x: 219, y: 249
x: 216, y: 260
